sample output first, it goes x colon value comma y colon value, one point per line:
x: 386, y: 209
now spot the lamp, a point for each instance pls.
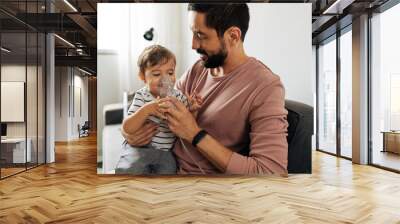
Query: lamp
x: 148, y: 35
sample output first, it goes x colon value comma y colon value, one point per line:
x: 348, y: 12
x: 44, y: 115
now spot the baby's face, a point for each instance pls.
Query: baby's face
x: 153, y: 76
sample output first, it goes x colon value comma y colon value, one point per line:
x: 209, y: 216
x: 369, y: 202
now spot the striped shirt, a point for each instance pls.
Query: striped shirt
x: 164, y: 139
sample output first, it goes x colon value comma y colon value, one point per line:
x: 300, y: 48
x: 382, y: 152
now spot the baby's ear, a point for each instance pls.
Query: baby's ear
x: 142, y: 76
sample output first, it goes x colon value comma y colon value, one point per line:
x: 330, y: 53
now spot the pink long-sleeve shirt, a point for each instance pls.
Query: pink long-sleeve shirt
x: 244, y: 108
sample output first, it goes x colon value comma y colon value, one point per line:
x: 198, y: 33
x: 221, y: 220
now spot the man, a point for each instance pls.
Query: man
x: 243, y: 102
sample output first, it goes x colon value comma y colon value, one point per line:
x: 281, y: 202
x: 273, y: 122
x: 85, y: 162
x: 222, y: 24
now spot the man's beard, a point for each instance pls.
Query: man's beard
x: 214, y: 60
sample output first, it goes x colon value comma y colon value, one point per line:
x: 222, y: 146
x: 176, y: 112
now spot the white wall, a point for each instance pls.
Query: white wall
x: 67, y: 81
x: 121, y: 28
x: 280, y: 36
x: 187, y: 52
x: 61, y: 104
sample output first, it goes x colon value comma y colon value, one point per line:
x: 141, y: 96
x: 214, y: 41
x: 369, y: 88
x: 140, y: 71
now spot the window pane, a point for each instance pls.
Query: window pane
x: 327, y: 97
x: 346, y: 94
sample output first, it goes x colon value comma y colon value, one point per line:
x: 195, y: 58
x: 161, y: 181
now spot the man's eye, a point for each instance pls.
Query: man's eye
x: 156, y: 74
x: 171, y: 73
x: 200, y: 36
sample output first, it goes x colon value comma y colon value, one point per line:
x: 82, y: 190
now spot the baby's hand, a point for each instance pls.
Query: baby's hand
x: 153, y: 108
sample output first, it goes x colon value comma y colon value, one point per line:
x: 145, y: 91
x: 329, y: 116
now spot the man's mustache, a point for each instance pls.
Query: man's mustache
x: 201, y: 51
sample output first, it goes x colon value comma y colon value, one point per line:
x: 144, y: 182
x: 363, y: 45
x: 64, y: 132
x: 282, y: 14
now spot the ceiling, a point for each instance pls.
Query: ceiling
x: 76, y: 22
x: 77, y: 25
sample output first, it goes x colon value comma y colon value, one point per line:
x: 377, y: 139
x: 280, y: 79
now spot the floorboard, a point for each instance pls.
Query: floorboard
x: 70, y: 191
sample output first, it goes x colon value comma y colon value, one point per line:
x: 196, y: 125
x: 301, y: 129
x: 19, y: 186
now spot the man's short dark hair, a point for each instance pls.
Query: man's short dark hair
x: 223, y: 16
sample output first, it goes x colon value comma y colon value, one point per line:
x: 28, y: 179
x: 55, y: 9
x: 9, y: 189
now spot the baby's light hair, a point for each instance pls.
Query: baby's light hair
x: 154, y: 55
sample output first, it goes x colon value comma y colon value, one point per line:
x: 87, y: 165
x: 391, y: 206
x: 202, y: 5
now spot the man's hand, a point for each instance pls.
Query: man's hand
x: 180, y: 120
x: 183, y: 124
x: 142, y: 136
x: 195, y: 102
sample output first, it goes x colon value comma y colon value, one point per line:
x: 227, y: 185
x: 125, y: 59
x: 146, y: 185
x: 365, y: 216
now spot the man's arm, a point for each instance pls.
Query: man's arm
x: 268, y: 144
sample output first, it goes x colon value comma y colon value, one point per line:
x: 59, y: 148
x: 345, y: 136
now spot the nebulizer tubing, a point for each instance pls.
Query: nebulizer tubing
x: 166, y: 88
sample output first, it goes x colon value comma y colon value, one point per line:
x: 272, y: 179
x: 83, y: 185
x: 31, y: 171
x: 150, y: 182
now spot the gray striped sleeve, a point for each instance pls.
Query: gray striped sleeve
x: 137, y: 102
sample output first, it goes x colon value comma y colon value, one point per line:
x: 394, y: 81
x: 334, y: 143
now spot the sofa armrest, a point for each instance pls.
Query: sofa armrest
x: 113, y: 114
x: 112, y: 146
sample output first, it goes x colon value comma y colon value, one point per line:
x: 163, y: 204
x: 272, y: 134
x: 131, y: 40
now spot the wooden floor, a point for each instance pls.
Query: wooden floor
x: 70, y: 191
x: 10, y: 171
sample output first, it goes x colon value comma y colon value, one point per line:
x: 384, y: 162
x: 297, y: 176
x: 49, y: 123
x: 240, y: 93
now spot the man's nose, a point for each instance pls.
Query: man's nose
x: 195, y: 44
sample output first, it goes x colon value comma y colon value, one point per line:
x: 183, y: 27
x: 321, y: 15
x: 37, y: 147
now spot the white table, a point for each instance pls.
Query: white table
x: 19, y: 155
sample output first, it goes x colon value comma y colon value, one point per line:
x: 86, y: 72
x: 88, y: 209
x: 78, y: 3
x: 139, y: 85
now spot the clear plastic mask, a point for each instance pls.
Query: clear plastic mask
x: 166, y: 86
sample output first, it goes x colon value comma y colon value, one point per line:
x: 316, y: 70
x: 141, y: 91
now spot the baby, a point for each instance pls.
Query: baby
x: 157, y: 70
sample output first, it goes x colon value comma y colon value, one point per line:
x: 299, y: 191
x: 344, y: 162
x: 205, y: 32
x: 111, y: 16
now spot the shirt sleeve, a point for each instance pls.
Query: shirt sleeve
x: 137, y: 102
x: 268, y: 144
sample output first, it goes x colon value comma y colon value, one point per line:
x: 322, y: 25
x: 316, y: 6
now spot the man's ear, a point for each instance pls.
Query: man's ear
x: 234, y: 35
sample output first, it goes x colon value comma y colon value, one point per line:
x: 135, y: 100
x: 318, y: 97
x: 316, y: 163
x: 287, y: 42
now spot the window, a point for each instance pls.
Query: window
x: 333, y: 137
x: 346, y: 94
x: 327, y: 96
x: 385, y: 89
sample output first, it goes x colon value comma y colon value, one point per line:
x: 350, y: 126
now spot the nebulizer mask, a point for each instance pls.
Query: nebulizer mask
x: 166, y: 86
